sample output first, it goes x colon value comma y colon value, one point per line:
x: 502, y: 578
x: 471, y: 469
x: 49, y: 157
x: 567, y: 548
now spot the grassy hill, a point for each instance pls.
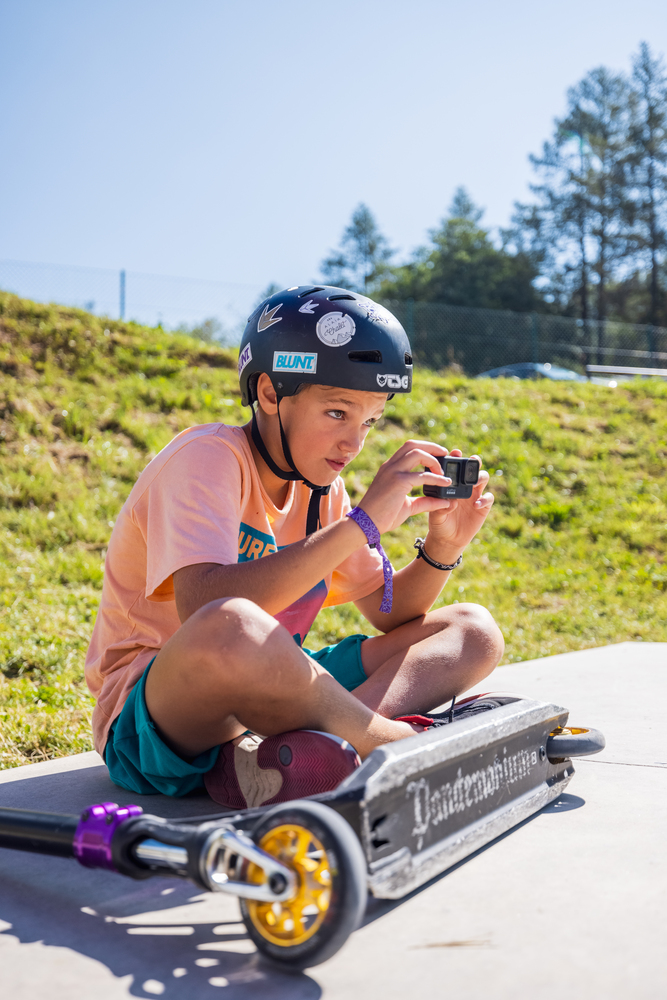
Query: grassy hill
x: 573, y: 554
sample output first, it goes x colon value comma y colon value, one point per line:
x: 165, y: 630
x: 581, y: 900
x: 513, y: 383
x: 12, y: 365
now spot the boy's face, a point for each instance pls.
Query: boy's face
x: 326, y: 428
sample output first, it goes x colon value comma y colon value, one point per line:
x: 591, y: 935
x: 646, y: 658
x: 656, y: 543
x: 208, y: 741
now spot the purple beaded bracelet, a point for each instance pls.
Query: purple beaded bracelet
x: 371, y: 532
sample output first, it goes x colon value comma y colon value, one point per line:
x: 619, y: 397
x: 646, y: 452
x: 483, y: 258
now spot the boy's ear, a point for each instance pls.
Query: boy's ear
x: 266, y: 394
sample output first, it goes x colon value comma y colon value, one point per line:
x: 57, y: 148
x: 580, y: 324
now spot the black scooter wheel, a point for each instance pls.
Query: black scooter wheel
x: 573, y: 742
x: 326, y: 857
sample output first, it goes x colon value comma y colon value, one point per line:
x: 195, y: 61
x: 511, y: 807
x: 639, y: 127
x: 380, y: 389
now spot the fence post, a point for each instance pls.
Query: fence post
x: 534, y: 333
x: 122, y: 294
x: 410, y: 321
x: 650, y: 333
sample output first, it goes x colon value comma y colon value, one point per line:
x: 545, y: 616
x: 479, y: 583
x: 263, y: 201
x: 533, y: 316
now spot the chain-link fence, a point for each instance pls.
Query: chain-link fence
x: 441, y: 335
x: 481, y: 339
x: 147, y: 298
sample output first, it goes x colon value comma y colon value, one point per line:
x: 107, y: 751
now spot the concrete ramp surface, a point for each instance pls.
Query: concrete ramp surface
x: 570, y: 901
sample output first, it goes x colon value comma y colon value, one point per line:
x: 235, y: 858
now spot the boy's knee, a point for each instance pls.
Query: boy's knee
x: 480, y: 628
x: 233, y: 626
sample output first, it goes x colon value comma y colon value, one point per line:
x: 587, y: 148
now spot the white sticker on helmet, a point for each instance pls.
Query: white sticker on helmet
x: 378, y: 314
x: 245, y: 357
x: 294, y: 361
x: 309, y: 307
x: 335, y: 329
x: 393, y: 381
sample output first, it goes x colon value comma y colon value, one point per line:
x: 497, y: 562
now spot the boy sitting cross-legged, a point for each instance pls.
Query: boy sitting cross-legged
x: 232, y: 540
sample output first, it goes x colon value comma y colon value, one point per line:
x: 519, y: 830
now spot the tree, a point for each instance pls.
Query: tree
x: 648, y: 136
x: 579, y: 228
x: 463, y: 267
x: 363, y: 257
x: 211, y: 331
x: 554, y: 231
x: 270, y: 290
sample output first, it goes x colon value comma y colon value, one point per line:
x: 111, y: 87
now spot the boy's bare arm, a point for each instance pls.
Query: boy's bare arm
x: 416, y: 589
x: 276, y: 581
x: 273, y: 582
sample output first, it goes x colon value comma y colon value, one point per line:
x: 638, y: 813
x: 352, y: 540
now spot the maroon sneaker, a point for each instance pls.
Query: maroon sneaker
x: 278, y: 769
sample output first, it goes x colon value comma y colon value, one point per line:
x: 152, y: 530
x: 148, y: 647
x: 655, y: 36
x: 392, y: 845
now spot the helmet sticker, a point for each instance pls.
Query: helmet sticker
x: 335, y: 329
x: 393, y: 381
x: 268, y: 318
x: 245, y: 357
x: 309, y: 307
x: 377, y: 314
x: 294, y: 361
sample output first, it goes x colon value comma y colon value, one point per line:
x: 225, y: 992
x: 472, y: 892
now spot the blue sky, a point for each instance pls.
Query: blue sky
x: 232, y: 140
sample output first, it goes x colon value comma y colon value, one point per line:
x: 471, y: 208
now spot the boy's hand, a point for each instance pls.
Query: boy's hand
x: 387, y: 501
x: 450, y: 530
x: 452, y: 523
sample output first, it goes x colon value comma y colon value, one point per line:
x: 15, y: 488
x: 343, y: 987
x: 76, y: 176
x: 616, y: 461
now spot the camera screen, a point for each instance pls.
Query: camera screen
x: 452, y: 472
x: 472, y: 472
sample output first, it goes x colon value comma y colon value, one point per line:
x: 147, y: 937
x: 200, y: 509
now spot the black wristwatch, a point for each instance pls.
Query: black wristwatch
x: 422, y: 554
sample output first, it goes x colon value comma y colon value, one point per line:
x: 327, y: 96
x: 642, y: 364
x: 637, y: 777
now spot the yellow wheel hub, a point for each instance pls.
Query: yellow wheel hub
x: 294, y: 920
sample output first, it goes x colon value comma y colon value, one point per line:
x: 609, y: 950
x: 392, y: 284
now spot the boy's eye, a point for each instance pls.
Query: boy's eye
x: 336, y: 414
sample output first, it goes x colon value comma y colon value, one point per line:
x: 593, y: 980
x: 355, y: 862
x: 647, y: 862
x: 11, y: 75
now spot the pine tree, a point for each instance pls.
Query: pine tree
x: 648, y: 136
x: 463, y: 267
x: 363, y: 257
x: 578, y: 229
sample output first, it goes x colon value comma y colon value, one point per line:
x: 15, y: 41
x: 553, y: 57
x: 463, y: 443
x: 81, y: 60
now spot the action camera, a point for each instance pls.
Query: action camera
x: 463, y: 472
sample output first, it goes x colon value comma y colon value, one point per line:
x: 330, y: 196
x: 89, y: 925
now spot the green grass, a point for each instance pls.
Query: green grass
x: 573, y: 554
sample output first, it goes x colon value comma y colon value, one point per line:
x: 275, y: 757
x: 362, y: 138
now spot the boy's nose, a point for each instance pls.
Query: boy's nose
x: 351, y: 445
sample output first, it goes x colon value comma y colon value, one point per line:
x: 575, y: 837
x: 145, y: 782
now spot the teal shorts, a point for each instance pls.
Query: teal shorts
x: 140, y: 761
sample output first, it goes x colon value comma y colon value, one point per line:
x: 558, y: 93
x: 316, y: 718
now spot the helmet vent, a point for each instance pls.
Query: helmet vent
x: 408, y: 358
x: 311, y: 291
x: 374, y: 356
x: 335, y: 298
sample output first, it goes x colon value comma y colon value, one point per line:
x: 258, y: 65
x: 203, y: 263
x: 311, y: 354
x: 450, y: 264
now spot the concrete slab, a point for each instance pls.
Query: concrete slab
x: 571, y: 899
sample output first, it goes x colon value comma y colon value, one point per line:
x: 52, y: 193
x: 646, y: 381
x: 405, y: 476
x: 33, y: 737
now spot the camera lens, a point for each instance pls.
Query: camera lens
x: 472, y: 472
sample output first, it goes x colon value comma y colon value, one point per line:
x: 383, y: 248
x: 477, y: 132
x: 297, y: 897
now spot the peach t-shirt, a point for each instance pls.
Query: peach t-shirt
x: 200, y: 501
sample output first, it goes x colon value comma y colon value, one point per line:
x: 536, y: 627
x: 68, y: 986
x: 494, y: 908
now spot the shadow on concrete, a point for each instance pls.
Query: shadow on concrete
x: 564, y: 803
x: 72, y: 791
x: 159, y: 937
x: 377, y: 908
x: 163, y: 937
x: 182, y: 960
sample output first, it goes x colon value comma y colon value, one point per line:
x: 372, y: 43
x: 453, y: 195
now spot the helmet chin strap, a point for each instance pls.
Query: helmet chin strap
x: 313, y: 516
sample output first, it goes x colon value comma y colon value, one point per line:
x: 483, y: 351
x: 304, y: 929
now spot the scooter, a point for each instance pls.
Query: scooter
x: 302, y: 870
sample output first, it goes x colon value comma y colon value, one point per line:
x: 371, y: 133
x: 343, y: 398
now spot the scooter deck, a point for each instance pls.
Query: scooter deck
x: 422, y: 804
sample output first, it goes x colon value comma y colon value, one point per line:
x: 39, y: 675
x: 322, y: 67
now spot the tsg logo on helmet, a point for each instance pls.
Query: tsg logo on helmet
x: 393, y: 381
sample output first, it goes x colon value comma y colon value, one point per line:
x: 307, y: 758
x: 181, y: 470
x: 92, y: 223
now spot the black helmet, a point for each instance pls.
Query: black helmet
x: 324, y: 335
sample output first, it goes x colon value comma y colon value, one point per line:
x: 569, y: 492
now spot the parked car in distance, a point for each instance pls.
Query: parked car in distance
x: 530, y: 369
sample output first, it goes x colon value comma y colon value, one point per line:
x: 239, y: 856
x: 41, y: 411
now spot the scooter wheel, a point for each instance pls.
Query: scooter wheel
x: 326, y: 857
x: 573, y: 742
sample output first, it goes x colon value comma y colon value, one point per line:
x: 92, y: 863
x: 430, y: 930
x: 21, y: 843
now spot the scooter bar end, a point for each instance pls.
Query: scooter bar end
x: 97, y: 825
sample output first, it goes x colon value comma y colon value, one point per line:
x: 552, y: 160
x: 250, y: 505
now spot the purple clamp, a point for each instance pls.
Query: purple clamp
x: 92, y: 840
x: 372, y: 533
